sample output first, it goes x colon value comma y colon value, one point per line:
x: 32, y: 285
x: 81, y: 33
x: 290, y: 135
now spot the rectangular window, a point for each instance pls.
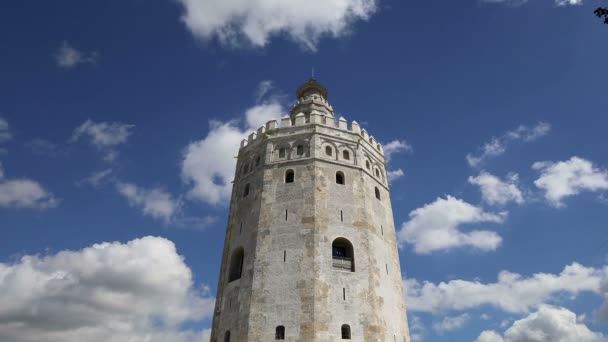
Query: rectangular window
x: 282, y: 153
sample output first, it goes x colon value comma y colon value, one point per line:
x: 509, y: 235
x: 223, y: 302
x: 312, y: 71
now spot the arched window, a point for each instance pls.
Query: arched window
x: 257, y: 161
x: 377, y: 173
x: 246, y: 191
x: 246, y: 169
x: 300, y: 150
x: 342, y: 255
x: 227, y: 336
x: 367, y: 165
x: 345, y: 155
x: 339, y: 177
x: 328, y: 150
x: 279, y: 333
x: 345, y: 332
x: 282, y: 152
x: 377, y: 191
x: 236, y: 264
x: 289, y: 176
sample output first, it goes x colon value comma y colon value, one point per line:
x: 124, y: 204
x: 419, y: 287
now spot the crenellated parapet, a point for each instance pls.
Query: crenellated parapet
x: 288, y: 123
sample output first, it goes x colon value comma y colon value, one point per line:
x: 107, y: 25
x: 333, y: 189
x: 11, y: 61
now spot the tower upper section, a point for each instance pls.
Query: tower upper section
x: 312, y: 98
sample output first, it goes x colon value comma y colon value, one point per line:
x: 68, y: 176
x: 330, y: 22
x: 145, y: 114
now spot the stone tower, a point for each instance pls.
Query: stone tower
x: 310, y: 252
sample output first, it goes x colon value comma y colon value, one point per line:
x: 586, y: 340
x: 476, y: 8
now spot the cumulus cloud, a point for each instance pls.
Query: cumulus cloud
x: 436, y: 226
x: 395, y: 174
x: 5, y: 133
x: 496, y: 191
x: 451, y: 323
x: 106, y: 136
x: 550, y: 324
x: 137, y: 291
x: 254, y: 22
x: 68, y: 57
x: 208, y: 164
x: 498, y: 145
x: 24, y: 193
x: 568, y: 178
x: 396, y: 146
x: 155, y: 202
x: 512, y: 292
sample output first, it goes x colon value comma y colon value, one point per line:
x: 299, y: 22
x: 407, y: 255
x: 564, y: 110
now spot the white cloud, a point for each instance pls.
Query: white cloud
x: 417, y: 329
x: 68, y: 57
x: 208, y: 164
x: 95, y: 179
x: 395, y: 174
x: 44, y: 147
x: 25, y: 193
x: 254, y: 22
x: 567, y: 178
x: 111, y: 292
x: 451, y: 323
x: 396, y: 146
x: 496, y: 191
x: 548, y: 324
x: 5, y: 133
x: 568, y: 2
x: 435, y: 226
x: 104, y: 135
x: 498, y: 145
x: 511, y: 292
x: 156, y: 203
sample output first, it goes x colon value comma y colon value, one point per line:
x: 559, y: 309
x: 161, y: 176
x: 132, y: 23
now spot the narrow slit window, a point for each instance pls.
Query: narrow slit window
x: 377, y: 173
x: 241, y: 228
x: 344, y: 293
x: 382, y: 230
x: 246, y: 191
x: 386, y: 268
x: 300, y: 150
x: 328, y: 150
x: 367, y: 165
x: 289, y: 176
x: 346, y: 332
x: 282, y: 152
x: 236, y: 264
x: 284, y: 255
x: 340, y: 177
x: 341, y: 216
x: 279, y: 333
x: 257, y: 161
x: 377, y: 191
x: 285, y: 214
x: 345, y: 155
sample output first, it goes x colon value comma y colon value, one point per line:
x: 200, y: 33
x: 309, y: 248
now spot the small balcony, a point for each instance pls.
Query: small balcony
x: 341, y: 263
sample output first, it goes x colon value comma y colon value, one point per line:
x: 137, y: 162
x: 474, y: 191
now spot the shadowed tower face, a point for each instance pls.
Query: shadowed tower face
x: 310, y: 252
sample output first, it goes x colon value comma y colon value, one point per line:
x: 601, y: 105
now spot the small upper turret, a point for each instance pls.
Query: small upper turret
x: 312, y: 99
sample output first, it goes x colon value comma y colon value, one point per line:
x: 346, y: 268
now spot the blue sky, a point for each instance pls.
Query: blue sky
x: 119, y: 122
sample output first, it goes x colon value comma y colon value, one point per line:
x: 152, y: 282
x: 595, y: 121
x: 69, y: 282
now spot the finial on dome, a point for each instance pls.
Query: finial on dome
x: 311, y: 87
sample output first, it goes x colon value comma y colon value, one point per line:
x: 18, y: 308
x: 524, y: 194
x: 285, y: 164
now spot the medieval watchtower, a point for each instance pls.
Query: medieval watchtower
x: 310, y: 252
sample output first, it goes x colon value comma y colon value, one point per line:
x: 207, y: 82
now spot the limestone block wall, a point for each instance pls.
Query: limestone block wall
x: 286, y: 231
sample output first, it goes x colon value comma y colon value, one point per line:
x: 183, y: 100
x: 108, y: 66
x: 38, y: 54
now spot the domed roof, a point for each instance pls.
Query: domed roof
x: 311, y: 86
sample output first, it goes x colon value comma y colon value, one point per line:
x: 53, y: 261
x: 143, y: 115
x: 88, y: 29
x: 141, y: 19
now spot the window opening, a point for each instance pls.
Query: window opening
x: 227, y: 336
x: 367, y: 165
x: 377, y: 193
x: 342, y: 255
x: 282, y: 152
x: 328, y: 150
x: 345, y: 155
x: 343, y: 293
x: 246, y: 192
x: 279, y: 333
x: 236, y: 264
x: 289, y: 176
x: 284, y: 255
x: 345, y: 332
x: 300, y: 150
x: 339, y: 177
x: 341, y: 216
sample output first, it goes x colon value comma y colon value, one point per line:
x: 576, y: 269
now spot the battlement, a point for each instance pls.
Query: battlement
x: 301, y: 119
